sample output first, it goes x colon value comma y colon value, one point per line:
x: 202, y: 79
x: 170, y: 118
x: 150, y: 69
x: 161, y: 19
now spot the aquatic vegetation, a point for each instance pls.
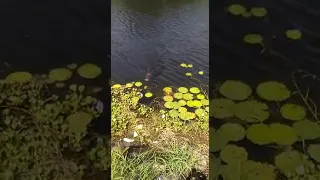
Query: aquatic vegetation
x: 235, y: 90
x: 183, y: 89
x: 148, y: 94
x: 251, y: 111
x: 307, y: 130
x: 273, y: 91
x: 188, y: 74
x: 258, y: 11
x: 138, y: 84
x: 60, y: 74
x: 293, y: 34
x: 78, y: 122
x: 72, y: 66
x: 200, y: 72
x: 231, y: 153
x: 19, y: 77
x: 293, y: 112
x: 233, y: 131
x: 221, y: 108
x: 313, y: 151
x: 167, y: 98
x: 236, y: 9
x: 217, y: 141
x: 259, y: 134
x: 282, y: 134
x: 194, y: 90
x: 253, y: 38
x: 89, y: 71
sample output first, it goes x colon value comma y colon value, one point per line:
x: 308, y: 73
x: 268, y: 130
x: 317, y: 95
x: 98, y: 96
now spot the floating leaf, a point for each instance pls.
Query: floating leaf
x: 190, y: 65
x: 231, y: 153
x: 314, y: 152
x: 273, y: 91
x: 283, y: 134
x: 19, y: 77
x: 251, y: 111
x: 294, y: 34
x: 214, y: 164
x: 207, y: 109
x: 307, y: 129
x: 183, y: 65
x: 200, y: 72
x: 222, y: 108
x: 200, y: 96
x: 182, y: 102
x: 205, y: 102
x: 233, y: 131
x: 190, y: 103
x: 288, y: 161
x: 188, y: 96
x: 253, y: 39
x: 197, y: 103
x: 236, y: 9
x: 148, y: 95
x: 188, y: 74
x: 293, y: 112
x: 258, y: 11
x: 173, y: 113
x: 217, y: 141
x: 129, y: 85
x: 81, y: 88
x: 116, y: 86
x: 60, y: 74
x: 259, y: 134
x: 168, y: 105
x: 168, y: 98
x: 138, y: 84
x: 182, y: 109
x: 72, y: 66
x: 167, y: 90
x: 194, y: 90
x: 89, y: 71
x: 235, y: 90
x: 200, y: 112
x: 178, y: 95
x: 183, y: 89
x: 246, y: 14
x: 186, y: 116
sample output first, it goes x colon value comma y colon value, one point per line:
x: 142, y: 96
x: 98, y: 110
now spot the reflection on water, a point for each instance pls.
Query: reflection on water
x: 153, y: 34
x: 233, y: 59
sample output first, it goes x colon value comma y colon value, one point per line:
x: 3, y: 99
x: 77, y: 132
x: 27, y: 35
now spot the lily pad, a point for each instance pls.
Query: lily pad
x: 288, y: 161
x: 182, y: 109
x: 231, y: 153
x: 188, y: 96
x: 307, y: 129
x: 194, y: 90
x: 201, y: 96
x: 138, y: 84
x: 233, y: 131
x: 173, y: 113
x: 273, y: 91
x: 197, y: 103
x: 178, y: 95
x: 129, y: 85
x: 293, y: 34
x: 183, y: 89
x: 258, y: 11
x: 116, y: 86
x: 200, y: 72
x: 78, y: 122
x: 183, y: 65
x: 251, y: 111
x: 235, y: 90
x: 72, y: 66
x: 205, y: 102
x: 168, y: 98
x: 293, y: 112
x: 89, y: 71
x: 168, y: 105
x: 259, y: 134
x: 148, y: 95
x: 60, y: 74
x: 190, y: 65
x: 246, y: 14
x: 182, y: 102
x: 253, y: 39
x: 214, y: 164
x: 167, y: 90
x: 19, y: 77
x: 236, y: 9
x: 217, y: 141
x: 314, y: 152
x: 200, y: 112
x: 186, y: 116
x: 283, y: 134
x: 222, y: 108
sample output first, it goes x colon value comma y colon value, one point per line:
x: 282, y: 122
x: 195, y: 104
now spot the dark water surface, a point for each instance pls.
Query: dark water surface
x: 159, y: 33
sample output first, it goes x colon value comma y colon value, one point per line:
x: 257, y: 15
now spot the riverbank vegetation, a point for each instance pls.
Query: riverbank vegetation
x: 166, y: 138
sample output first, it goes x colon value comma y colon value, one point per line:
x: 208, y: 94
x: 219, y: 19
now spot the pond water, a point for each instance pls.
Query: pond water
x: 160, y: 35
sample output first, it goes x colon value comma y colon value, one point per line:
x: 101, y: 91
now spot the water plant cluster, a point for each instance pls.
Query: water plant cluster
x: 47, y: 135
x: 267, y: 117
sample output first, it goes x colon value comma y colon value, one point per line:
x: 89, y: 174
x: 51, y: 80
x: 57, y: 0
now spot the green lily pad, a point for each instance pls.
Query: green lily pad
x: 190, y: 65
x: 288, y: 161
x: 231, y: 153
x: 138, y: 84
x: 307, y: 129
x: 89, y: 71
x: 273, y: 91
x: 182, y: 102
x: 168, y: 105
x: 194, y: 90
x: 201, y: 96
x: 175, y: 105
x: 19, y: 77
x: 314, y: 152
x: 178, y: 95
x: 188, y: 96
x: 60, y: 85
x: 200, y: 72
x: 258, y: 11
x: 60, y: 74
x: 293, y: 112
x: 253, y: 38
x: 200, y: 112
x: 222, y: 108
x: 188, y: 74
x: 205, y: 102
x: 293, y: 34
x: 167, y: 90
x: 236, y: 9
x: 283, y: 134
x: 183, y: 89
x: 129, y: 85
x: 197, y: 103
x: 214, y: 164
x: 148, y: 95
x: 233, y: 131
x: 235, y: 90
x: 173, y: 113
x: 168, y: 98
x: 182, y: 109
x: 259, y: 134
x: 186, y: 116
x: 217, y: 141
x: 183, y: 65
x: 78, y: 122
x: 251, y: 111
x: 190, y: 103
x: 207, y: 109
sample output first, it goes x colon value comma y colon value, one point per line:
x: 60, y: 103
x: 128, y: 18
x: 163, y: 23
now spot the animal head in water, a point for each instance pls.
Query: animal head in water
x: 148, y: 75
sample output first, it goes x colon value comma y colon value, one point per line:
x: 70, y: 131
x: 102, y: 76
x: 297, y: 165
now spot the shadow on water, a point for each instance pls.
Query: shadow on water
x: 231, y: 58
x: 152, y: 34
